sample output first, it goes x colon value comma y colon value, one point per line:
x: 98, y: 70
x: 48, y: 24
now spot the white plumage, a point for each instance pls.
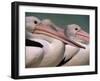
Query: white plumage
x: 77, y: 56
x: 34, y: 55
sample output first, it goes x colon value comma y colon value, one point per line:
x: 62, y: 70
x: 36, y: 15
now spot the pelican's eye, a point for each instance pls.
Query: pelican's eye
x: 35, y: 22
x: 76, y: 28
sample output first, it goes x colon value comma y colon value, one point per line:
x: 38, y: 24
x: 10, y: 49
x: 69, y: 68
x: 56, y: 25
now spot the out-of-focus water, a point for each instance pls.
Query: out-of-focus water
x: 64, y: 19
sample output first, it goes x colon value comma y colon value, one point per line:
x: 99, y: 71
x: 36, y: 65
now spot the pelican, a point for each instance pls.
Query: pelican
x: 53, y: 45
x: 74, y: 55
x: 34, y: 51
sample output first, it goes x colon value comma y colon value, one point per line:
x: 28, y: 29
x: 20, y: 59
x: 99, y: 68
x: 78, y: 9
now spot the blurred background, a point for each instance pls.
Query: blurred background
x: 64, y: 19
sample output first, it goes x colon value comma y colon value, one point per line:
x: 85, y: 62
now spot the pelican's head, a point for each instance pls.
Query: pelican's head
x: 31, y: 23
x: 46, y: 22
x: 74, y: 32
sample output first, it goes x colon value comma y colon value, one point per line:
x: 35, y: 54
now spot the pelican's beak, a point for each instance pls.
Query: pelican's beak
x: 49, y: 31
x: 83, y: 35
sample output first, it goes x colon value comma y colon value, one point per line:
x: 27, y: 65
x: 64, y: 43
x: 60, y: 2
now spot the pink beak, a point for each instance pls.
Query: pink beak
x: 83, y: 35
x: 49, y: 31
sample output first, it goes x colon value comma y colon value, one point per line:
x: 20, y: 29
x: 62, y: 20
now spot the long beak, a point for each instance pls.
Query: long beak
x: 83, y: 35
x: 49, y: 31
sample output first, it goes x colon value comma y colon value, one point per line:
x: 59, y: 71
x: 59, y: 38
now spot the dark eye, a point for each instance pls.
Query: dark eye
x: 76, y: 28
x: 35, y: 22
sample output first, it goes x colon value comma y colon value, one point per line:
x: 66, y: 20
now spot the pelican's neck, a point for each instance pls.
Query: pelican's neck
x: 70, y: 51
x: 43, y: 37
x: 49, y: 41
x: 53, y: 49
